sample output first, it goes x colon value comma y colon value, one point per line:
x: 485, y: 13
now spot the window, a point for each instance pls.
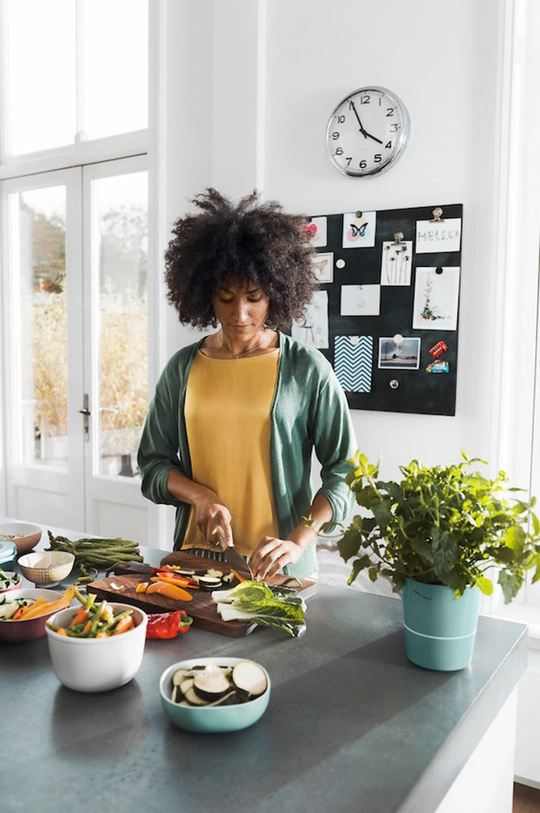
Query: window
x: 75, y: 70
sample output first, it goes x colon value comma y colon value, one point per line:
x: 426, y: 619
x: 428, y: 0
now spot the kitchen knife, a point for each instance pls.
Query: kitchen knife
x: 238, y: 563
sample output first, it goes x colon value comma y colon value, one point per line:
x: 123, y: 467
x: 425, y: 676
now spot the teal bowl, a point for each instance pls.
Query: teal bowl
x: 211, y: 719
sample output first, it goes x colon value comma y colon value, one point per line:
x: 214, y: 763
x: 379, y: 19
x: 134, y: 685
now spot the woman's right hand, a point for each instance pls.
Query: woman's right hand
x: 212, y: 517
x: 214, y: 520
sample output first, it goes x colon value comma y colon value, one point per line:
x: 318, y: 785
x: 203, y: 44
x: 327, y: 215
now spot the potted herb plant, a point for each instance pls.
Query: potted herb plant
x: 437, y: 534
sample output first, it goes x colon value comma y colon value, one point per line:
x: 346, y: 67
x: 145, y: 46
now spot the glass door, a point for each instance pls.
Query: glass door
x: 75, y: 317
x: 43, y: 341
x: 116, y: 357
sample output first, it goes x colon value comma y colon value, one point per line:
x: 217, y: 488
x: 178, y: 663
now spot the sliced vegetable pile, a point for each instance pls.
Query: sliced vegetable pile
x: 260, y: 603
x: 175, y: 583
x: 214, y: 685
x: 96, y: 553
x: 22, y: 609
x: 8, y: 579
x: 94, y: 620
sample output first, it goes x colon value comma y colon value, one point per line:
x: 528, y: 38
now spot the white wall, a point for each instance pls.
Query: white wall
x: 251, y: 84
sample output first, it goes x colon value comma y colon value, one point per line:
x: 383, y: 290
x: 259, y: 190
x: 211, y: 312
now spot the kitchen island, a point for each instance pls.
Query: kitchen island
x: 352, y: 725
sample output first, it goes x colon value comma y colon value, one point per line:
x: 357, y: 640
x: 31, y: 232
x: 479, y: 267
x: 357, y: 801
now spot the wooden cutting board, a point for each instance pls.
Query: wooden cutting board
x: 202, y: 608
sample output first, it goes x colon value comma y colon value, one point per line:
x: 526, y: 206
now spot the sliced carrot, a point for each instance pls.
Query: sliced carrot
x: 88, y: 626
x: 169, y: 590
x: 80, y: 616
x: 103, y: 635
x: 61, y: 631
x: 125, y: 624
x: 165, y: 577
x: 141, y: 587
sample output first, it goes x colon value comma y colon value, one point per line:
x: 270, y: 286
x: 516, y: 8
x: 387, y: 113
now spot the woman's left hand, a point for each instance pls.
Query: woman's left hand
x: 271, y: 555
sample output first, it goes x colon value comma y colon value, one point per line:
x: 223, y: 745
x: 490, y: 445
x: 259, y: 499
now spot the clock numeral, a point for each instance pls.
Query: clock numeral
x: 388, y: 146
x: 394, y: 128
x: 348, y: 160
x: 340, y: 119
x: 335, y: 135
x: 362, y: 164
x: 365, y: 99
x: 390, y: 112
x: 339, y: 151
x: 377, y: 158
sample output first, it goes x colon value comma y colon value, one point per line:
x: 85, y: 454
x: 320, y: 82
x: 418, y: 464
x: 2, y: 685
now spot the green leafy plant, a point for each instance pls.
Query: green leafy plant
x: 440, y: 525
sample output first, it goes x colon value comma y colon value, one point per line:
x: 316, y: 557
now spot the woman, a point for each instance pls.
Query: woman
x: 236, y: 416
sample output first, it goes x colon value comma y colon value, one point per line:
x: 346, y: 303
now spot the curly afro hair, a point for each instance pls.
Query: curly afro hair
x: 251, y: 243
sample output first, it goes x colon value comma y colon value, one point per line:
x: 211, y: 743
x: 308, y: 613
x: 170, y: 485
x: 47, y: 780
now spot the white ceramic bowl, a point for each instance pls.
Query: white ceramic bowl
x: 25, y: 535
x: 46, y: 568
x: 27, y: 630
x: 211, y: 718
x: 97, y: 664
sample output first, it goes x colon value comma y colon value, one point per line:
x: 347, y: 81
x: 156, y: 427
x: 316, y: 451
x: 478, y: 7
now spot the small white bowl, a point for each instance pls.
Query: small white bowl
x: 211, y: 718
x: 24, y: 535
x: 46, y: 568
x: 97, y: 664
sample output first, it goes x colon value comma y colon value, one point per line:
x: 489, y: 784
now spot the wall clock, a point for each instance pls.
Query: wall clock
x: 367, y: 132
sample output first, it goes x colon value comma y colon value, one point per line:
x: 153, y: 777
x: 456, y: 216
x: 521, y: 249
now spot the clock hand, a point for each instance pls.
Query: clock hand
x: 368, y: 135
x: 364, y: 133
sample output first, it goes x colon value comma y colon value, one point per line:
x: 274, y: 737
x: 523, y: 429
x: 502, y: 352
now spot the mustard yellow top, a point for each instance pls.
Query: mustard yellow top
x: 227, y: 413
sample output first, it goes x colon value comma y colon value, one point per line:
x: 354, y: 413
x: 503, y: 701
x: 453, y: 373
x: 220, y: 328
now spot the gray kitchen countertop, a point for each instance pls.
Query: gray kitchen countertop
x: 352, y: 725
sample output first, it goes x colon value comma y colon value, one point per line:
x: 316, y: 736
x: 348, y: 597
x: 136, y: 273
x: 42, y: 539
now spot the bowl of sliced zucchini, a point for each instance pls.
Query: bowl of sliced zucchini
x: 215, y: 694
x: 9, y: 581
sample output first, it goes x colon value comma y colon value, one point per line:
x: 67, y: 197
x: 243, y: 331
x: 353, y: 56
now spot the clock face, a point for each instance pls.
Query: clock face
x: 367, y: 132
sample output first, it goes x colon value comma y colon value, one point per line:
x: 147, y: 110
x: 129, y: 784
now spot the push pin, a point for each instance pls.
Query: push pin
x: 394, y: 383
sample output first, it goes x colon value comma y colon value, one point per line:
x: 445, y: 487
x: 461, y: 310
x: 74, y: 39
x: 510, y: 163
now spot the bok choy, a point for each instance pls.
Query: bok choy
x: 260, y: 603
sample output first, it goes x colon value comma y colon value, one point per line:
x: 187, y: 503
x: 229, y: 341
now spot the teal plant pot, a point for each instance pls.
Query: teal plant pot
x: 440, y: 630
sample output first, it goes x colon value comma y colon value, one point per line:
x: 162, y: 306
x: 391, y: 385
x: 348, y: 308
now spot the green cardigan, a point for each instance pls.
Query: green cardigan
x: 309, y: 412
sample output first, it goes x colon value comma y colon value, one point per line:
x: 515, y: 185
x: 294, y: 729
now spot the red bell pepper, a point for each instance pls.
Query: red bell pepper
x: 167, y: 625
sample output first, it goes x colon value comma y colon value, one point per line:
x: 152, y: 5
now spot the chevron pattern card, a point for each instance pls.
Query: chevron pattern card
x: 353, y: 362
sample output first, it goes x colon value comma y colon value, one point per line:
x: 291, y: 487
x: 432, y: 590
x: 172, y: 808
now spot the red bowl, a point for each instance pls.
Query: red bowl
x: 31, y: 628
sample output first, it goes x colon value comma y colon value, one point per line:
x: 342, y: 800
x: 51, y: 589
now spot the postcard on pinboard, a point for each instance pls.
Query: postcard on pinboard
x: 324, y: 266
x: 438, y: 236
x: 359, y: 229
x: 436, y: 299
x: 318, y: 227
x: 396, y: 263
x: 314, y: 329
x: 353, y: 362
x: 360, y: 300
x: 399, y: 354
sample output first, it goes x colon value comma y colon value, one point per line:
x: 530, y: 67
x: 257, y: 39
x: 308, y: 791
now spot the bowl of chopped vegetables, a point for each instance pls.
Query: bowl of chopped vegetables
x: 25, y: 535
x: 9, y: 581
x: 23, y: 614
x: 46, y: 568
x: 98, y: 646
x: 215, y: 694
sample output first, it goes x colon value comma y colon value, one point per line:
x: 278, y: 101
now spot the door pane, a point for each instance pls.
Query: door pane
x: 42, y: 326
x: 120, y: 205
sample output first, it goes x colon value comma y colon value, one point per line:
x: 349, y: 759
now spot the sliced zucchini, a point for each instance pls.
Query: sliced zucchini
x: 249, y: 679
x: 211, y: 684
x: 193, y: 698
x: 210, y: 582
x: 179, y: 676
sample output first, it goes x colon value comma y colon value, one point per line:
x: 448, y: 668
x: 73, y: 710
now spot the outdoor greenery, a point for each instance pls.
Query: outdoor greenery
x: 441, y: 525
x: 122, y: 325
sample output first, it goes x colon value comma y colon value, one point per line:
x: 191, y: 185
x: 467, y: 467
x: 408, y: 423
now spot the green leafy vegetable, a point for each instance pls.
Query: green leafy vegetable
x: 260, y: 603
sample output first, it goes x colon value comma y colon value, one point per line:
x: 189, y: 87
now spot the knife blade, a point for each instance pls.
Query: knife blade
x: 238, y: 563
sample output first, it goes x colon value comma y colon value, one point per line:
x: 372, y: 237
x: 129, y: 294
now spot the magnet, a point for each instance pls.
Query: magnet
x: 438, y: 366
x: 394, y: 383
x: 438, y: 349
x: 340, y: 263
